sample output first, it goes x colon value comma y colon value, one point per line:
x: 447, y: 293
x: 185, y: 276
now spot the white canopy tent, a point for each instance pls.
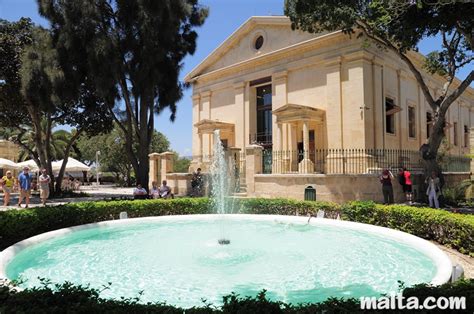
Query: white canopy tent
x: 73, y: 165
x: 29, y: 163
x: 7, y: 164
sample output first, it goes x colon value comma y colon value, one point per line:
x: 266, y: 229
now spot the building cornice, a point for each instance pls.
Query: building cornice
x: 233, y: 39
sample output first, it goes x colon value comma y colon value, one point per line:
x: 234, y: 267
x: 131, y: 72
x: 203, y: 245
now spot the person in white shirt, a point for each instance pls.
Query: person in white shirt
x: 155, y: 190
x: 44, y: 181
x: 165, y: 190
x: 139, y: 192
x: 434, y: 189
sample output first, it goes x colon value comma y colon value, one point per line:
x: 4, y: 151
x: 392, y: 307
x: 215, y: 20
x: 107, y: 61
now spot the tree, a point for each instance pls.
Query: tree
x: 181, y: 163
x: 112, y: 151
x: 398, y: 26
x: 36, y: 96
x: 132, y: 52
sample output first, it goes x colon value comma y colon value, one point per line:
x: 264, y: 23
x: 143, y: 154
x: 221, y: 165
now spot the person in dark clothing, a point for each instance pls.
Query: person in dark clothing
x: 197, y: 183
x: 387, y: 188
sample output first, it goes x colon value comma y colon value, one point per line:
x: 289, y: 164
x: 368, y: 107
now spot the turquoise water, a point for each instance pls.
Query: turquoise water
x: 181, y: 262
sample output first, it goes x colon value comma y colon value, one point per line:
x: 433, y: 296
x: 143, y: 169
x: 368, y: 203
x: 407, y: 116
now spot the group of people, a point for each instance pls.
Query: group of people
x: 24, y: 184
x: 163, y: 191
x: 404, y: 178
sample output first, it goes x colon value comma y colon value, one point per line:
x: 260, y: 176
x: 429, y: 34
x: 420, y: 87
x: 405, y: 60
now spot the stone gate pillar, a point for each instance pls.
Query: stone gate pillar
x: 253, y: 165
x: 155, y: 168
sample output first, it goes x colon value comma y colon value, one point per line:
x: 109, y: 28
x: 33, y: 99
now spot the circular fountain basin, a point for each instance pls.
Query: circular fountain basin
x: 177, y: 259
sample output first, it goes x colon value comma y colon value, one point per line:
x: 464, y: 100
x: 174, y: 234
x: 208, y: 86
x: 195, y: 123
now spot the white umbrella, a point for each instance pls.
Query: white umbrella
x: 7, y: 164
x: 28, y: 163
x: 71, y: 166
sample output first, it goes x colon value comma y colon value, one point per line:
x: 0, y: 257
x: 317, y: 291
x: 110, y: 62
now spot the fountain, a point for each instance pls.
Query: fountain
x: 219, y: 172
x: 177, y: 259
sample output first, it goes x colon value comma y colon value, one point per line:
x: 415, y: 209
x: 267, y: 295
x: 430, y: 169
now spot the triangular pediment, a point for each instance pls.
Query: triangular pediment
x: 275, y: 32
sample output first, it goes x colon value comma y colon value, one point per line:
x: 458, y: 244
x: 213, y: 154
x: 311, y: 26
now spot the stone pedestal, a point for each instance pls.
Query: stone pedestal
x: 253, y: 165
x: 306, y: 166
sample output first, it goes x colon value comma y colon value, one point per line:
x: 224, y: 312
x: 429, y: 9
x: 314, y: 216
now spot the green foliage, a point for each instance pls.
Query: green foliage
x: 181, y: 164
x: 461, y: 195
x: 131, y: 52
x: 66, y: 297
x: 453, y: 230
x: 113, y: 155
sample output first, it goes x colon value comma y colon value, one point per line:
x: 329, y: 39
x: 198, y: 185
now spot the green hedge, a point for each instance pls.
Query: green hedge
x: 68, y: 298
x: 450, y: 229
x: 453, y: 230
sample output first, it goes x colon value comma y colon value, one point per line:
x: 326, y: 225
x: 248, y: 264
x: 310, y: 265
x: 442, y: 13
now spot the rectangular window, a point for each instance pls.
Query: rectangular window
x: 411, y: 122
x: 264, y: 113
x: 455, y: 133
x: 466, y: 136
x: 429, y: 124
x: 390, y: 110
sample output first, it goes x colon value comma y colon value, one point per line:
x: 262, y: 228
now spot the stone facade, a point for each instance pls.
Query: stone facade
x: 9, y: 150
x: 311, y: 92
x: 327, y: 91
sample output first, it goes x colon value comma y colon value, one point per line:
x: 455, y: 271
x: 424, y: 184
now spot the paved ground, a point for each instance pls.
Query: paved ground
x: 465, y: 261
x: 95, y: 194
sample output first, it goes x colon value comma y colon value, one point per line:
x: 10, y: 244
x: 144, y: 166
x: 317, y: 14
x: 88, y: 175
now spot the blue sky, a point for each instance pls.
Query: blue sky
x: 224, y: 18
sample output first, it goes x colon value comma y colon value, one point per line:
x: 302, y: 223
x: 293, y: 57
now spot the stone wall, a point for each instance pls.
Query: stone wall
x: 337, y: 188
x: 180, y: 183
x: 9, y: 150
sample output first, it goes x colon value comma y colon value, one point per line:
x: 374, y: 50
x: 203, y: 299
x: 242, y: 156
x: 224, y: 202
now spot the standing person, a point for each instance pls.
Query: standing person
x: 8, y: 182
x: 434, y: 189
x: 401, y: 179
x: 408, y: 186
x: 44, y: 181
x: 25, y: 178
x: 387, y: 188
x: 196, y: 183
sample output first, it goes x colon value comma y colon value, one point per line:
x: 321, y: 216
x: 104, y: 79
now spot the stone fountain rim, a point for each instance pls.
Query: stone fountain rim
x: 440, y: 259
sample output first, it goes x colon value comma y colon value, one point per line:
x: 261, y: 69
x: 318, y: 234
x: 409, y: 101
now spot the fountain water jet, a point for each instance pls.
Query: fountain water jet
x: 220, y: 183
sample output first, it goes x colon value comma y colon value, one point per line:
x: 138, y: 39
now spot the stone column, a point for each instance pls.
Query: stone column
x: 154, y: 173
x: 167, y: 163
x: 253, y: 166
x: 239, y: 100
x: 277, y: 155
x: 306, y: 165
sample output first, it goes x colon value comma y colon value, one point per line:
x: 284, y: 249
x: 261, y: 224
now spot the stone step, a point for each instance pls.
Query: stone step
x: 240, y: 195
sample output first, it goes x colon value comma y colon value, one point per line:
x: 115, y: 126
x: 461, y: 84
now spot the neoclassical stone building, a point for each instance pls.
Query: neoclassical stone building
x: 314, y: 102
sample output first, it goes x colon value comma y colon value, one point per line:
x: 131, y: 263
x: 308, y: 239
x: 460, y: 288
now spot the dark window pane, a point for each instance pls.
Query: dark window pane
x: 258, y: 42
x: 389, y: 119
x: 411, y: 122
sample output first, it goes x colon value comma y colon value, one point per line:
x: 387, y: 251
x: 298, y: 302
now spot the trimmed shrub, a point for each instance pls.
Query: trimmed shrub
x: 450, y: 229
x: 68, y: 298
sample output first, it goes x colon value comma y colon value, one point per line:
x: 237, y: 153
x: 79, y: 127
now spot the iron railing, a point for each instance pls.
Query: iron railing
x: 341, y: 161
x: 355, y: 161
x: 262, y: 138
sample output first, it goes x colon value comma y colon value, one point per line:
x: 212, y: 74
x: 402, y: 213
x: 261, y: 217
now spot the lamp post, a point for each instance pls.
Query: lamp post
x: 97, y: 153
